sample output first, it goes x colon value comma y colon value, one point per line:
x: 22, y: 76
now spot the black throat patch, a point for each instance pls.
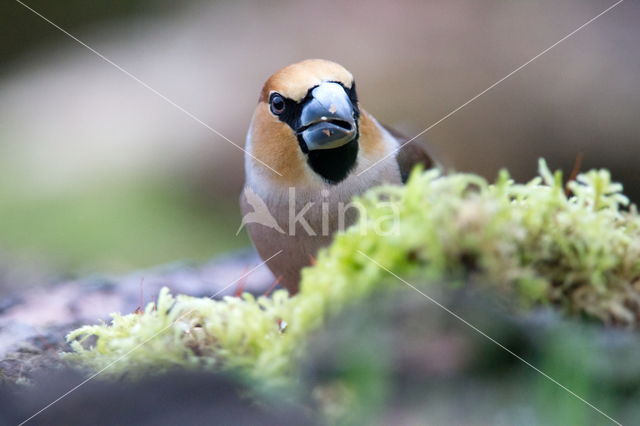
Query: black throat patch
x: 334, y: 165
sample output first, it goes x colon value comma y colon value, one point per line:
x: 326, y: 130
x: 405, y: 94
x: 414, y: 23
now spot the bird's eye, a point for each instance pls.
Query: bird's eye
x: 277, y: 104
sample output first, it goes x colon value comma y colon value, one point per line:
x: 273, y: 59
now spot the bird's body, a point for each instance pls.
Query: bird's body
x: 309, y: 128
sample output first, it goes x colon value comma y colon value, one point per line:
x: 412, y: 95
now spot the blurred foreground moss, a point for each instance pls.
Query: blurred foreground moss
x: 531, y: 243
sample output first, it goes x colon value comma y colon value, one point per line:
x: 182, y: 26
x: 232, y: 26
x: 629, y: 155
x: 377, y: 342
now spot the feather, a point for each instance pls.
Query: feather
x: 410, y: 154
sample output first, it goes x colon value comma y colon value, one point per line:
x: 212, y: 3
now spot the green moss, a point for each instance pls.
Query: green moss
x: 531, y: 242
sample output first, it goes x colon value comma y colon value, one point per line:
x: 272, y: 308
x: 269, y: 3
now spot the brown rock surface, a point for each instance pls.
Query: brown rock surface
x: 34, y: 321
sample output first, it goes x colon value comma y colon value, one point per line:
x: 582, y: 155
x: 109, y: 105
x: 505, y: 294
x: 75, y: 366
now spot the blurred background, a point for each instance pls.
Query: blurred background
x: 98, y: 173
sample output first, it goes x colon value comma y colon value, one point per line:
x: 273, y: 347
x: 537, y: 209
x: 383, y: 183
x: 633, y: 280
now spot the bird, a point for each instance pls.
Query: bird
x: 310, y: 148
x: 260, y: 213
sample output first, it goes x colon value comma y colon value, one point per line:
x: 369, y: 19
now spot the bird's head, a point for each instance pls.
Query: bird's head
x: 307, y: 122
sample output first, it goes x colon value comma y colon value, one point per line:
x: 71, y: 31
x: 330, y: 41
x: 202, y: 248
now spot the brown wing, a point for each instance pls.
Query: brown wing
x: 410, y: 154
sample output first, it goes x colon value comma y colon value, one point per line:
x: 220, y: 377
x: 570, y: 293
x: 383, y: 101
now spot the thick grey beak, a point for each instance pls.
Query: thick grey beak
x: 327, y: 119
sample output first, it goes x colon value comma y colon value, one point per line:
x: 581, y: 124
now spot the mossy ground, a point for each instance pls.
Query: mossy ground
x: 532, y: 242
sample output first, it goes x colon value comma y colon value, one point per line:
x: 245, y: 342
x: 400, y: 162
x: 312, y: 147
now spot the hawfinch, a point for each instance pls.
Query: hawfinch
x: 308, y: 152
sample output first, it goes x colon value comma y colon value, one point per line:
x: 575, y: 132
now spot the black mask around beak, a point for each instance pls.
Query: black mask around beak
x: 327, y: 119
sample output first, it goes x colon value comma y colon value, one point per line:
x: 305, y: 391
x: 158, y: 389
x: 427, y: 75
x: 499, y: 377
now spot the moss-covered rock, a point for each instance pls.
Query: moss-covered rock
x: 532, y: 242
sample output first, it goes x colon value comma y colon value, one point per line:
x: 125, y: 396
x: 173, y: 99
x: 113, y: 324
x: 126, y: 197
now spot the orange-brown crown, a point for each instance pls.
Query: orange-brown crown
x: 295, y: 80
